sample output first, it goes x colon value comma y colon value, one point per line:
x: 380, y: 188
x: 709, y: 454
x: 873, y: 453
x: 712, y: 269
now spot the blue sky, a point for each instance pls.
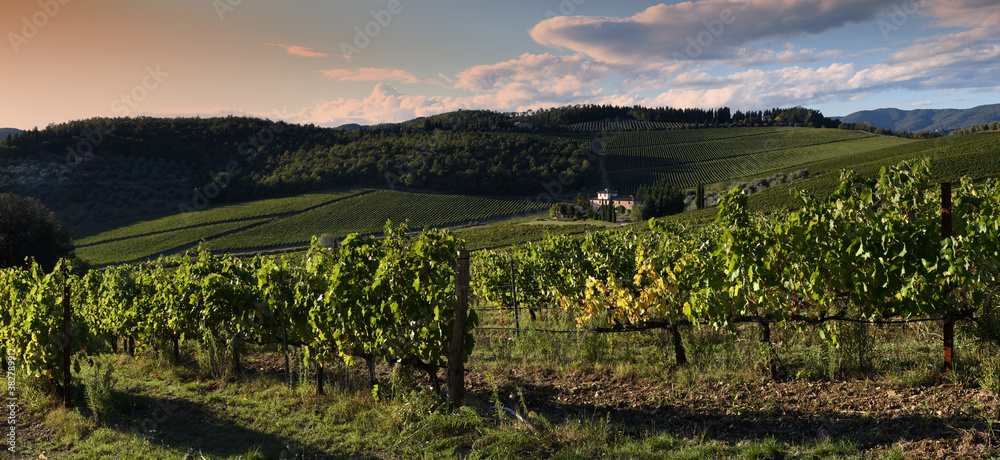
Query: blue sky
x: 370, y: 61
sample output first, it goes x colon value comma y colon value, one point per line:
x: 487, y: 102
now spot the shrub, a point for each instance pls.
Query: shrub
x: 99, y: 386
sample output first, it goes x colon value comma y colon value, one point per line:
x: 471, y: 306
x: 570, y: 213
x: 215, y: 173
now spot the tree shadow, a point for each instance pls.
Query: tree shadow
x: 971, y: 427
x: 200, y: 429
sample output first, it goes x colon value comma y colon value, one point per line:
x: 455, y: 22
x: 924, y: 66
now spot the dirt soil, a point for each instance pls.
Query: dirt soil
x: 945, y: 421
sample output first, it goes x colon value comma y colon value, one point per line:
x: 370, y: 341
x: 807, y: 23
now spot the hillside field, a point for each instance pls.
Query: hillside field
x: 878, y: 392
x: 686, y: 158
x: 291, y: 222
x: 715, y: 157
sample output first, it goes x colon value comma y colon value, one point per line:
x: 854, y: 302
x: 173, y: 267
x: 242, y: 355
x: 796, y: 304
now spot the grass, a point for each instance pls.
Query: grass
x: 519, y: 231
x: 291, y: 222
x: 367, y: 214
x: 612, y: 383
x: 976, y: 156
x: 211, y: 216
x: 166, y: 243
x: 685, y: 158
x: 263, y: 418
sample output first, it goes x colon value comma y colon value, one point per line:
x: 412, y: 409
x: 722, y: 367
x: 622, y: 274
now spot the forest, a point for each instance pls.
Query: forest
x: 104, y: 169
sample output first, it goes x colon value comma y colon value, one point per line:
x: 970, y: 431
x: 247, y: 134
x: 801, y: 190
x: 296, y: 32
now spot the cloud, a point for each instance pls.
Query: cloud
x: 372, y: 74
x: 385, y: 104
x: 721, y: 61
x: 756, y: 88
x: 700, y: 30
x: 548, y: 73
x: 960, y: 13
x: 300, y: 50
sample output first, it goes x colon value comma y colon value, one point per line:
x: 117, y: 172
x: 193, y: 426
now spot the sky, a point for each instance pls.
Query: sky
x: 332, y: 62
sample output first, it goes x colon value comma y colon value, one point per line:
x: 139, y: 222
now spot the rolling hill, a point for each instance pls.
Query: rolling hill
x: 943, y: 120
x: 714, y: 156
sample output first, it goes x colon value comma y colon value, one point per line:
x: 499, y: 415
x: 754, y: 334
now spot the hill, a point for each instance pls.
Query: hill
x: 106, y: 170
x: 289, y: 222
x: 686, y: 158
x: 4, y: 132
x: 943, y: 120
x: 102, y: 170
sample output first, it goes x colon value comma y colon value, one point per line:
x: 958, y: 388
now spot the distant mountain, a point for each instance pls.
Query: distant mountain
x: 5, y: 131
x: 926, y: 119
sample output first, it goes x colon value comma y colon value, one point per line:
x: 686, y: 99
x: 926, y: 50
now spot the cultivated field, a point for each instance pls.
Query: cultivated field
x: 686, y: 158
x: 290, y: 222
x: 580, y: 379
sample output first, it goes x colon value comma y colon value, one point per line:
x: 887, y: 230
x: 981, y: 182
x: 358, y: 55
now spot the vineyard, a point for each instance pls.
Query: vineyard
x: 709, y: 156
x: 899, y: 247
x: 290, y: 222
x: 367, y: 213
x: 626, y: 125
x: 954, y: 157
x: 873, y: 250
x: 211, y: 216
x: 365, y: 299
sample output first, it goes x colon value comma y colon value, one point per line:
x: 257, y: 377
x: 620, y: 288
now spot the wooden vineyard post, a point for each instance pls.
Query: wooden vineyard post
x: 319, y: 376
x: 456, y: 363
x: 772, y: 358
x: 284, y: 347
x: 946, y: 232
x: 66, y: 338
x: 513, y: 297
x: 679, y: 353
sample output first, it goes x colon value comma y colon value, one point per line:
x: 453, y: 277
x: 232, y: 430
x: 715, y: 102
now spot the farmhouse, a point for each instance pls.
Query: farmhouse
x: 605, y: 196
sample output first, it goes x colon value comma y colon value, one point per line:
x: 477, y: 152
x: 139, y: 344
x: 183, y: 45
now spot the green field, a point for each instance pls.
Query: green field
x: 291, y: 222
x: 165, y: 243
x: 713, y: 155
x: 686, y: 158
x: 976, y: 156
x: 369, y: 213
x: 212, y: 215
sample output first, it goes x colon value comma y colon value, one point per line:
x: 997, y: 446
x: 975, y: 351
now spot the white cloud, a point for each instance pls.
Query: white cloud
x: 557, y: 74
x: 613, y: 58
x: 700, y: 30
x: 384, y: 104
x: 381, y: 75
x: 961, y: 13
x: 299, y: 50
